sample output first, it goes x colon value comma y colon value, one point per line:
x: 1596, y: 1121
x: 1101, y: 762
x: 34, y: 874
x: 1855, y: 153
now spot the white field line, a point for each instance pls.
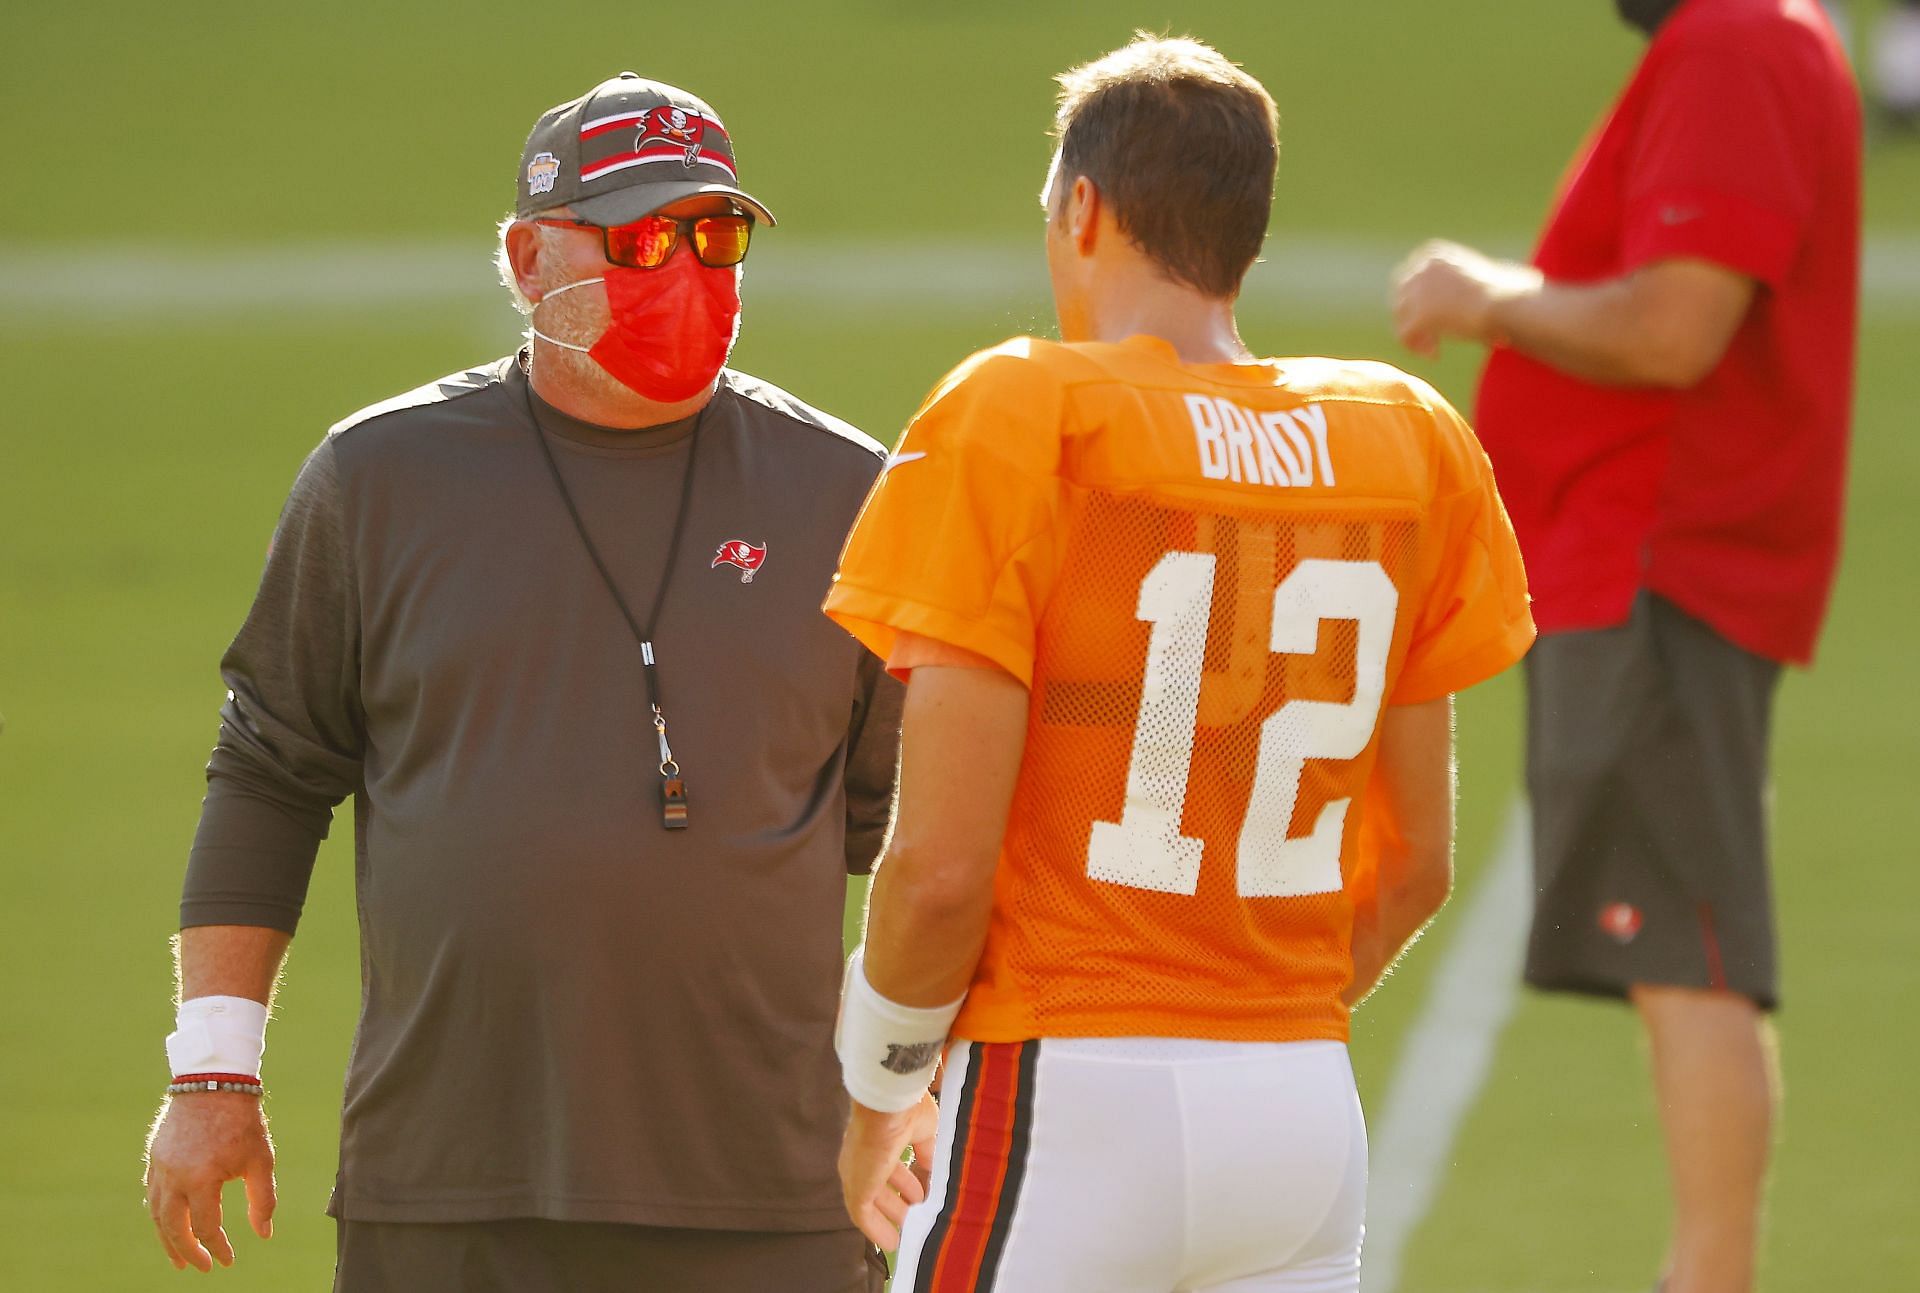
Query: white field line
x: 1446, y: 1055
x: 374, y: 281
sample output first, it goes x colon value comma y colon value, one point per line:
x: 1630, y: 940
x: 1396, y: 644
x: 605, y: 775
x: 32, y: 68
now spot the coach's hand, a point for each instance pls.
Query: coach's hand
x: 199, y: 1143
x: 1446, y: 290
x: 877, y: 1185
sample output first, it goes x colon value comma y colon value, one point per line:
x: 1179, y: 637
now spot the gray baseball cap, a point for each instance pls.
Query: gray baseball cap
x: 626, y: 148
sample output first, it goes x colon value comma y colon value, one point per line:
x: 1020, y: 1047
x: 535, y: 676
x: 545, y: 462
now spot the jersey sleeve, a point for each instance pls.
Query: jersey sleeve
x: 1473, y: 620
x: 911, y: 651
x: 1723, y: 166
x: 958, y: 539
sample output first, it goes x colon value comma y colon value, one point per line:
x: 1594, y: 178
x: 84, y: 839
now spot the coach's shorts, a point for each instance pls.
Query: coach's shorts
x: 1647, y: 771
x: 527, y: 1255
x: 1142, y: 1165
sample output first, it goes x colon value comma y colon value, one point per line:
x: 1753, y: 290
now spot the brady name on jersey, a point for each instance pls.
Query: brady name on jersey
x: 1273, y: 448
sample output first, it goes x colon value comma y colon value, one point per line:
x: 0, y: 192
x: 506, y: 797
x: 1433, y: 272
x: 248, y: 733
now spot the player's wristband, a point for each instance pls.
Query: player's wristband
x: 225, y: 1035
x: 887, y: 1051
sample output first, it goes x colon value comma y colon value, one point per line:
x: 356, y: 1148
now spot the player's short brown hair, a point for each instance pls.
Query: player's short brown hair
x: 1183, y: 144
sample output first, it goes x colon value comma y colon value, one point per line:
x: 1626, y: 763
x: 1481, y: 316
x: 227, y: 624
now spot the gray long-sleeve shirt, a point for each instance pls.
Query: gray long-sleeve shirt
x: 567, y: 1010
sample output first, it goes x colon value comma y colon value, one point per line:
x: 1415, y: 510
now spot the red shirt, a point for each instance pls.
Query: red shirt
x: 1738, y: 141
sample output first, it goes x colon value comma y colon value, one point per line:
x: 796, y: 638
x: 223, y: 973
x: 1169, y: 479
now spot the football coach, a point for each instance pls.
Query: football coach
x: 1667, y: 409
x: 553, y: 624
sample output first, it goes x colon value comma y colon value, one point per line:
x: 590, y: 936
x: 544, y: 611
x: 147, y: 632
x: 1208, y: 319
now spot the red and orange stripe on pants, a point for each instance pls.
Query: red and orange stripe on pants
x: 985, y: 1166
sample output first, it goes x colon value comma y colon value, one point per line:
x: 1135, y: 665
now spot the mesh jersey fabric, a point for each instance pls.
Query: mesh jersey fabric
x: 1212, y: 578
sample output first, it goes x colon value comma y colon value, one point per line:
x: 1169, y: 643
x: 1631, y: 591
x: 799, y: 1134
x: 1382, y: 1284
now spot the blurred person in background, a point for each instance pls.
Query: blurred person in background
x: 1182, y: 626
x: 1667, y: 409
x: 1896, y: 64
x: 553, y: 623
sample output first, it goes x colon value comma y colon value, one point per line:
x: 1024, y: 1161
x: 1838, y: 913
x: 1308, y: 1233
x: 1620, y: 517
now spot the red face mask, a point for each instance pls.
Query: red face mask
x: 671, y: 328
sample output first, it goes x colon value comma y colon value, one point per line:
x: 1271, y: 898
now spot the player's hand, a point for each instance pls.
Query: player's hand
x: 1446, y: 290
x: 199, y: 1143
x: 877, y: 1185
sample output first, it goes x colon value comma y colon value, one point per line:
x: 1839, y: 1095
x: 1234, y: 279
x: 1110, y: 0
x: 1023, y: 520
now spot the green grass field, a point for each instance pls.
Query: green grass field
x: 147, y: 451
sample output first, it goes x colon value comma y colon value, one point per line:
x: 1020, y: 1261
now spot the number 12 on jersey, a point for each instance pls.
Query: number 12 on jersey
x: 1145, y: 848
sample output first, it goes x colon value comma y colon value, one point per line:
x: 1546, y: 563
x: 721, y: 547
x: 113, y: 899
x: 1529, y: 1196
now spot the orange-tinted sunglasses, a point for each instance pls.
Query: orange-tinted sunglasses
x: 719, y: 241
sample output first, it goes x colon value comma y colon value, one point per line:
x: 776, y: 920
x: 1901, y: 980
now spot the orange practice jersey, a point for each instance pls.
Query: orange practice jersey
x: 1212, y: 578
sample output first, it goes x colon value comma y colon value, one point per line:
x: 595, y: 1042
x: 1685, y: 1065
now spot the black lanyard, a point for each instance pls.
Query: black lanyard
x: 673, y: 788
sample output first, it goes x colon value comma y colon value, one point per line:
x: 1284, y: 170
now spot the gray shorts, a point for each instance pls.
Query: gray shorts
x: 527, y: 1255
x: 1647, y: 771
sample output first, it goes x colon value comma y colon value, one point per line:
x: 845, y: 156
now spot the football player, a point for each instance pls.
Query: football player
x: 1182, y: 627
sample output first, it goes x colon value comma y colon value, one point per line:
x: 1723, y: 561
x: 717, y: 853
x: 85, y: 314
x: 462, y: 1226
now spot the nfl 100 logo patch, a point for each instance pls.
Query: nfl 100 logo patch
x: 542, y: 172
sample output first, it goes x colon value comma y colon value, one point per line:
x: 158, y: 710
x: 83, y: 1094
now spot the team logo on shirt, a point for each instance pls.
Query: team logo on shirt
x: 542, y: 171
x: 673, y: 126
x: 1621, y: 921
x: 742, y: 556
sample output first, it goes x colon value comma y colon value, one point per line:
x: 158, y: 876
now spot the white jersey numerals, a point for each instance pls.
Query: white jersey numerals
x: 1145, y: 848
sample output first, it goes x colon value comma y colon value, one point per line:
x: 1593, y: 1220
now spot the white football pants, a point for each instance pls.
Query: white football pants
x: 1142, y: 1165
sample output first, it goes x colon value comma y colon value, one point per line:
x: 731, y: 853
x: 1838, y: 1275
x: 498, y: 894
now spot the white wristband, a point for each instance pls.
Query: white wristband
x: 218, y: 1035
x: 887, y: 1051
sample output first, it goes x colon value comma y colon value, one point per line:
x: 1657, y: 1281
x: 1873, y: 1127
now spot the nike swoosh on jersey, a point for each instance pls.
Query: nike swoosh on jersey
x: 895, y: 460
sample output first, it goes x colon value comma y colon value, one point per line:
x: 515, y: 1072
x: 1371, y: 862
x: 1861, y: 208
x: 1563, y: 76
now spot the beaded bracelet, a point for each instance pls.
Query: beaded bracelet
x: 238, y: 1082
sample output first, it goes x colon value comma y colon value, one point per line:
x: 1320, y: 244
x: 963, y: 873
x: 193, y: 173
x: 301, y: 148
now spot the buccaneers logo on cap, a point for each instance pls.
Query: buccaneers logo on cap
x: 741, y: 555
x: 674, y: 126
